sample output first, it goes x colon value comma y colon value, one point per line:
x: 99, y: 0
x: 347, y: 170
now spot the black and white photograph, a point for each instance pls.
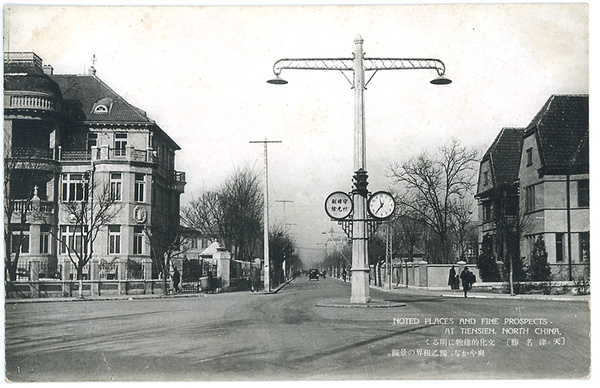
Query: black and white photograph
x: 349, y: 192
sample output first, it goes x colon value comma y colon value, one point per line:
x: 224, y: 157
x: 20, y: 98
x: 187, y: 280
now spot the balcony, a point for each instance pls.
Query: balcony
x: 27, y: 205
x: 178, y: 183
x: 30, y: 100
x: 23, y: 57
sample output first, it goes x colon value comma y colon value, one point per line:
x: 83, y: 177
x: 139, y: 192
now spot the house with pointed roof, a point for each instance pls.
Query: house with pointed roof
x: 534, y: 182
x: 498, y: 191
x: 65, y: 134
x: 554, y: 184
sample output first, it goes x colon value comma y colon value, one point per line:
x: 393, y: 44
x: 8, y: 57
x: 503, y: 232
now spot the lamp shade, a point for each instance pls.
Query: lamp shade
x: 277, y: 81
x: 441, y: 80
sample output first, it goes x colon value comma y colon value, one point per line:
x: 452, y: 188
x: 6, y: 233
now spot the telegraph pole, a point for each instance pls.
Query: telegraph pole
x: 266, y: 214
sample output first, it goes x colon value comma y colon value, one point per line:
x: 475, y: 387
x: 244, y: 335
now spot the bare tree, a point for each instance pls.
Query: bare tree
x: 166, y: 241
x: 21, y: 177
x: 408, y: 229
x: 232, y: 214
x: 87, y: 215
x: 433, y: 184
x: 281, y: 248
x: 462, y: 224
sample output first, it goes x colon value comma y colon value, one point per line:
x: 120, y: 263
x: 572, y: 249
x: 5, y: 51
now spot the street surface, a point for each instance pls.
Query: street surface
x: 285, y: 336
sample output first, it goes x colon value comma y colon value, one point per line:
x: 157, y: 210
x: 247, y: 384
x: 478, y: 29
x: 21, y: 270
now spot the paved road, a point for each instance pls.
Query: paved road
x: 285, y: 336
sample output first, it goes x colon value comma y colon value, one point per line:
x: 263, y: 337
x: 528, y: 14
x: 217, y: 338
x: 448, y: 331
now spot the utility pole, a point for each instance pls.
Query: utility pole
x: 266, y: 213
x: 284, y: 201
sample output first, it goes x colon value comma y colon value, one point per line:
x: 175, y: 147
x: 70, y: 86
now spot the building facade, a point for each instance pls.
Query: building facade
x: 534, y: 183
x: 71, y: 142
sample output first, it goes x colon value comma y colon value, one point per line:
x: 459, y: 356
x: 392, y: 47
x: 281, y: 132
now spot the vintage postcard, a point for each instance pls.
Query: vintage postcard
x: 296, y: 193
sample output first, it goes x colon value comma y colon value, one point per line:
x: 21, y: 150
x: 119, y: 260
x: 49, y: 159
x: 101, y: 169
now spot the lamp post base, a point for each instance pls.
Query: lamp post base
x: 360, y: 286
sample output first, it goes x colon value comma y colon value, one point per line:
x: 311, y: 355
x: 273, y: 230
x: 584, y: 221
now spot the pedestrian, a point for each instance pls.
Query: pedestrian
x: 453, y: 281
x: 255, y: 277
x: 176, y: 279
x: 344, y: 274
x: 468, y: 278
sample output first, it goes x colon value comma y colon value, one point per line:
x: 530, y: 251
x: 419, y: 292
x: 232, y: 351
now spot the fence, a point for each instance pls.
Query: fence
x: 39, y: 279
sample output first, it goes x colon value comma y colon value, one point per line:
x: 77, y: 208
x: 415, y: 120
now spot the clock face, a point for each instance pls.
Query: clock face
x: 381, y: 205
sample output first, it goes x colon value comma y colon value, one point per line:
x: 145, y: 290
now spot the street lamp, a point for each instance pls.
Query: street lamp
x: 358, y: 65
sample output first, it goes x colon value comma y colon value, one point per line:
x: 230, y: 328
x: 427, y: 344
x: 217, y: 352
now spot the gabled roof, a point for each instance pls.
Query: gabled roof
x: 87, y: 90
x: 562, y: 131
x: 505, y: 155
x: 82, y: 94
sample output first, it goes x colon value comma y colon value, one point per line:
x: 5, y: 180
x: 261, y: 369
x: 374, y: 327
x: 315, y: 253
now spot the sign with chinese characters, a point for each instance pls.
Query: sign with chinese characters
x: 338, y: 205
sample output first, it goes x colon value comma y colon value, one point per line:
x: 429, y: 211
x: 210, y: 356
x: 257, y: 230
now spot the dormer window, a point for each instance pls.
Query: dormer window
x: 102, y: 106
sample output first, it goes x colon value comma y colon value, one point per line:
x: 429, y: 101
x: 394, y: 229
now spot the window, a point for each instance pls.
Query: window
x: 485, y: 178
x: 560, y: 249
x: 120, y: 144
x: 70, y: 238
x: 530, y: 198
x: 487, y: 210
x: 44, y: 238
x: 103, y: 105
x: 74, y: 187
x: 584, y: 246
x: 138, y: 240
x: 529, y: 153
x: 114, y: 240
x: 139, y: 187
x: 20, y: 243
x: 583, y: 192
x: 115, y: 186
x: 92, y: 140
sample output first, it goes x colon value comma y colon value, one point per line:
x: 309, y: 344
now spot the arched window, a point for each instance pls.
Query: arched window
x: 103, y: 105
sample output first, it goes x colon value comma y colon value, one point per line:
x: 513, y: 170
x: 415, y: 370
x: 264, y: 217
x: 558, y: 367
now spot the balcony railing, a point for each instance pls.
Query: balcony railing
x: 32, y: 102
x: 32, y: 153
x: 179, y: 176
x: 27, y: 205
x: 76, y: 155
x: 26, y: 57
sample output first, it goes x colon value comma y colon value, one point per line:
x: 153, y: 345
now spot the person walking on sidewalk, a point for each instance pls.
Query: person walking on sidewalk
x: 468, y: 278
x: 176, y: 279
x: 453, y: 281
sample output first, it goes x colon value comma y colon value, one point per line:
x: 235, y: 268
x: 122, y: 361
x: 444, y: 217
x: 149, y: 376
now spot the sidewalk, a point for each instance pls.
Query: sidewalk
x: 88, y: 298
x: 479, y: 295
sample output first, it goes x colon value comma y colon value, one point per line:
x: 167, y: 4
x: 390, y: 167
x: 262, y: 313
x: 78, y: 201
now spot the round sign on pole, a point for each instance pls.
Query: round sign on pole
x: 338, y: 205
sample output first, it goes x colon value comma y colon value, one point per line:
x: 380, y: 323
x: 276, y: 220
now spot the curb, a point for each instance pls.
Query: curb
x: 100, y: 298
x: 519, y: 297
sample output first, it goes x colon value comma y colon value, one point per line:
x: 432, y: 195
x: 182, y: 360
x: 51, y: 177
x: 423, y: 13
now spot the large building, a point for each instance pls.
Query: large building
x: 66, y: 136
x: 536, y: 179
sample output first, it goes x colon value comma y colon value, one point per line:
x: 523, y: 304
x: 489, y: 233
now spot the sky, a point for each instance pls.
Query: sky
x: 201, y: 72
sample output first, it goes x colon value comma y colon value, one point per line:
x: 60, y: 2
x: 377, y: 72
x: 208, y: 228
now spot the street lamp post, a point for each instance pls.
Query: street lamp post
x: 358, y: 65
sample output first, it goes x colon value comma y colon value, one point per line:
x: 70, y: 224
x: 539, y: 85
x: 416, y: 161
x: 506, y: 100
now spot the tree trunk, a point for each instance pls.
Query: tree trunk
x: 165, y: 274
x: 80, y: 277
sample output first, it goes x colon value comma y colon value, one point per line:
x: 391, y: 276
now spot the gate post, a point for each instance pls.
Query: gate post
x: 94, y: 278
x: 34, y: 278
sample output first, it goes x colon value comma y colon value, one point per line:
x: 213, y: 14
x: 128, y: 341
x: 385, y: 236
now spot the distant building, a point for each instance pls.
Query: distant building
x: 62, y: 132
x: 538, y: 178
x: 498, y: 191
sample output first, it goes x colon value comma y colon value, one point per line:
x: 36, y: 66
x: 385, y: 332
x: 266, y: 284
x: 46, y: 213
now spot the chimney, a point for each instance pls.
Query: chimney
x: 49, y: 70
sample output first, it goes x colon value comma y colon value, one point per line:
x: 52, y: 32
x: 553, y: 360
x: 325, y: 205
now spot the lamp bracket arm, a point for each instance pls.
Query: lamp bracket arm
x: 341, y: 64
x: 371, y: 64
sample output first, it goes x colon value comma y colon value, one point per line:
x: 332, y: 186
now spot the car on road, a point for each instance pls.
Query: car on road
x: 313, y: 274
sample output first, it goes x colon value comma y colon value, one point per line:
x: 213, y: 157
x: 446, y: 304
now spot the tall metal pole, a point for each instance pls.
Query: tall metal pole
x: 360, y: 261
x: 358, y: 65
x: 266, y: 215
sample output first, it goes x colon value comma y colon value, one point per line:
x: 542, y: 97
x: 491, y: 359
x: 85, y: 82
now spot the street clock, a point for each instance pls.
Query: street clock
x: 381, y: 205
x: 338, y: 205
